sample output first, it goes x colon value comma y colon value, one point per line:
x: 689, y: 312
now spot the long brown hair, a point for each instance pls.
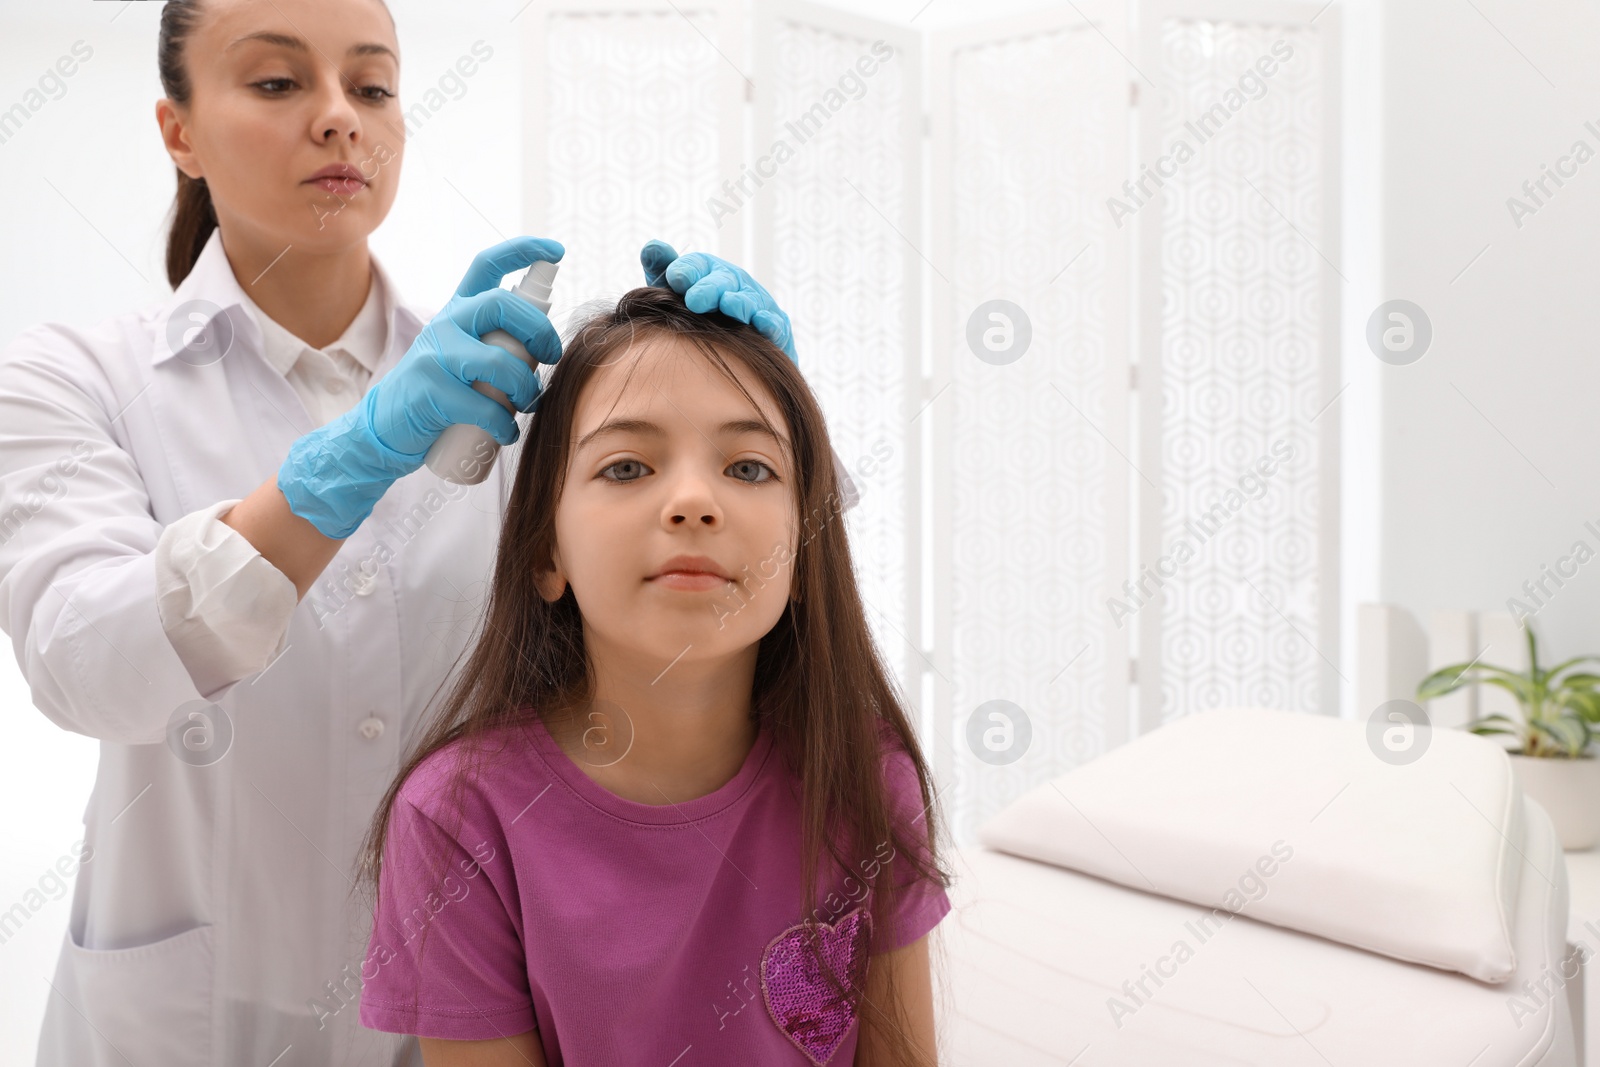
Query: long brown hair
x: 820, y: 685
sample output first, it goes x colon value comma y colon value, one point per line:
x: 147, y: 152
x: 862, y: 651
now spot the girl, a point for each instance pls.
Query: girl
x: 672, y: 812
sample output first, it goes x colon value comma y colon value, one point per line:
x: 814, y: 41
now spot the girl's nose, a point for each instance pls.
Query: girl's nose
x: 692, y: 500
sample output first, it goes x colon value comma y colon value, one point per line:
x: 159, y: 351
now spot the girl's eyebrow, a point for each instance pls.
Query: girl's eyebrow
x: 649, y: 429
x: 284, y: 40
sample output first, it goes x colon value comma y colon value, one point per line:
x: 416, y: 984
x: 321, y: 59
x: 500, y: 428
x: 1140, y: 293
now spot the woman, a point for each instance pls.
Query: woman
x: 219, y: 557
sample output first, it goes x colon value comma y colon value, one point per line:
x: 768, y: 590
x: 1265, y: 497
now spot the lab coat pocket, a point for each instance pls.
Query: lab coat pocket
x: 144, y: 1004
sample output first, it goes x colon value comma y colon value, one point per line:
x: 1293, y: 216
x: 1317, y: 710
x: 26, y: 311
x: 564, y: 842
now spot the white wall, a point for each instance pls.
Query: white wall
x: 1490, y: 465
x: 1360, y: 407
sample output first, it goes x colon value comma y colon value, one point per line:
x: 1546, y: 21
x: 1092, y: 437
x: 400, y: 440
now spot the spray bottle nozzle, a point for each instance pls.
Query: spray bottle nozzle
x: 535, y: 285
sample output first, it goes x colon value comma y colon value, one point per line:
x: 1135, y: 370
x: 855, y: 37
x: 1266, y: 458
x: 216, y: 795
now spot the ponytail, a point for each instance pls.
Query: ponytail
x: 193, y: 216
x: 193, y: 219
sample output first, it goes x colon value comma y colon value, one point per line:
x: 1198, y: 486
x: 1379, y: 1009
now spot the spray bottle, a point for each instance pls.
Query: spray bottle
x: 465, y: 452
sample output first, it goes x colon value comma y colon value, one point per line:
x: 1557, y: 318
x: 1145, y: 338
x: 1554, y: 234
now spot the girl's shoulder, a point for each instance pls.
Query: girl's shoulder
x: 899, y: 770
x: 892, y: 747
x: 467, y: 764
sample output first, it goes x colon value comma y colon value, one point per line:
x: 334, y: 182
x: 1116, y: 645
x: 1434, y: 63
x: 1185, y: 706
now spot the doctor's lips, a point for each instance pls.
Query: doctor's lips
x: 339, y: 178
x: 690, y: 572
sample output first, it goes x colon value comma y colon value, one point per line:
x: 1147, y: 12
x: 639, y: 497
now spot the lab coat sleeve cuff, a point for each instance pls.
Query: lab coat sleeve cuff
x: 95, y: 671
x: 224, y: 607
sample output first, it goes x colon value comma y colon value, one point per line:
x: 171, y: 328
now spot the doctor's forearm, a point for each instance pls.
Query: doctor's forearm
x: 287, y: 541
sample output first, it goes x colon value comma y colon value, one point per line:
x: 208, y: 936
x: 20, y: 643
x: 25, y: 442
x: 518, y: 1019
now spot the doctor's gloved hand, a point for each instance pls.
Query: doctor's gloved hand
x: 334, y: 475
x: 710, y: 283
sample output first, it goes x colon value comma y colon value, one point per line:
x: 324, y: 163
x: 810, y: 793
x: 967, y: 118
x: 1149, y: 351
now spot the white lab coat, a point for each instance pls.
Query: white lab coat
x: 219, y: 893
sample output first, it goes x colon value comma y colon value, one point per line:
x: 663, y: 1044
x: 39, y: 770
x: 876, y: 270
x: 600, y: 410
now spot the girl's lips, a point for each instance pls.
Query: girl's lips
x: 689, y: 580
x: 340, y: 186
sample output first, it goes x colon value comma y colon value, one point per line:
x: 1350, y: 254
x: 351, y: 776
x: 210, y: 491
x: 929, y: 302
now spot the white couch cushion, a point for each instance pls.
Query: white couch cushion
x: 1291, y: 819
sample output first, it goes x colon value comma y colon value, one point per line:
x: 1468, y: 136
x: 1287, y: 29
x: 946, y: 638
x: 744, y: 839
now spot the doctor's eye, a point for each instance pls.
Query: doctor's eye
x: 279, y: 86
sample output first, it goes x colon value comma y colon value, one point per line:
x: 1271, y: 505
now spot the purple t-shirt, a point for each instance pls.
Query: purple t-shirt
x: 624, y: 932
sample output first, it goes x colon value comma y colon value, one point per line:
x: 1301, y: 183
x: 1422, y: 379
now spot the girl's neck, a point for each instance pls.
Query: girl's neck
x: 666, y: 739
x: 654, y: 758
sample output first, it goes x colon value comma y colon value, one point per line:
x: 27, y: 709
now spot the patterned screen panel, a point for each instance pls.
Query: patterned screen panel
x: 1241, y: 359
x: 840, y: 194
x: 1033, y: 117
x: 633, y: 140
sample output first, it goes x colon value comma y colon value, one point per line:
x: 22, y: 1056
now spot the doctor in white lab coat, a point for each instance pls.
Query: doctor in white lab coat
x: 253, y: 681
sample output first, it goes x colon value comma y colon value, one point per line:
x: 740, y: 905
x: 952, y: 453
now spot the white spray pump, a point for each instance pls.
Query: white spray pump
x: 465, y: 452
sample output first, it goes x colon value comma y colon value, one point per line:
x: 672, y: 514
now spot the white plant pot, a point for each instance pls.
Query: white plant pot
x: 1569, y: 791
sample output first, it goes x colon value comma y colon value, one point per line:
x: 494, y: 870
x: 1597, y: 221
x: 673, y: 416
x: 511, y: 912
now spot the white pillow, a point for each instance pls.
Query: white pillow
x: 1292, y: 819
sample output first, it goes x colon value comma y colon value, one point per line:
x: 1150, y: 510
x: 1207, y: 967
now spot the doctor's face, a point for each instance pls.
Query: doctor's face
x: 281, y: 89
x: 667, y: 463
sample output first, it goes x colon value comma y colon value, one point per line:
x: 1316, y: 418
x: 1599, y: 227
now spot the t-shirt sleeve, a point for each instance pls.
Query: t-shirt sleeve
x: 446, y: 957
x: 921, y: 902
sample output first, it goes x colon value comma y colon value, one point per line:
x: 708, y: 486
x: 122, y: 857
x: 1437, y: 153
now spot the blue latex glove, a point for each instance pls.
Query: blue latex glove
x: 334, y: 475
x: 710, y: 283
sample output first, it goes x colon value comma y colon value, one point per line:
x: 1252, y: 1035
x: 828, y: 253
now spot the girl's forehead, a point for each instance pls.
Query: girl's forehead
x: 660, y: 374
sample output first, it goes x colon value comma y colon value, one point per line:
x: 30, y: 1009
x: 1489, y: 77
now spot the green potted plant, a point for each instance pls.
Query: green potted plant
x: 1560, y: 716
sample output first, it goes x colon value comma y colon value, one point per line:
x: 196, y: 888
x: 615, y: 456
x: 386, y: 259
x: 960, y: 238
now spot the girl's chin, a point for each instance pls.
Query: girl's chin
x: 653, y: 635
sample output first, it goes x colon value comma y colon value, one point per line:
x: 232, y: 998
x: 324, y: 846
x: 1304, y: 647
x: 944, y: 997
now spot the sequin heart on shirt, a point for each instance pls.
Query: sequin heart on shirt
x: 798, y: 996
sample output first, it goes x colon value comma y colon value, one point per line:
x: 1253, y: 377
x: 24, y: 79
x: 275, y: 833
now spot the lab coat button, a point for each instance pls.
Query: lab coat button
x: 371, y: 727
x: 362, y: 584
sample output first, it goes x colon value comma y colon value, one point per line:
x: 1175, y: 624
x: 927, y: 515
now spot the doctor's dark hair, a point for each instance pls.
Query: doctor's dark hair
x: 821, y: 687
x: 193, y: 217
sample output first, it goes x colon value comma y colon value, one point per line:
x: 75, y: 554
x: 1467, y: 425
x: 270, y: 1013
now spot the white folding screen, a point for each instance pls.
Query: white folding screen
x: 1239, y: 312
x: 1029, y: 119
x: 633, y: 114
x: 836, y: 165
x: 921, y: 201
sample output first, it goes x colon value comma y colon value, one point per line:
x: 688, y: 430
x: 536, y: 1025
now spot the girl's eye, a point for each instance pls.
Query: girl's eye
x: 736, y: 463
x: 378, y: 92
x: 756, y: 463
x: 621, y: 463
x: 265, y: 86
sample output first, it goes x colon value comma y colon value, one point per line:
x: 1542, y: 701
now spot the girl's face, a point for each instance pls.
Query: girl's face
x: 670, y: 465
x: 280, y: 90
